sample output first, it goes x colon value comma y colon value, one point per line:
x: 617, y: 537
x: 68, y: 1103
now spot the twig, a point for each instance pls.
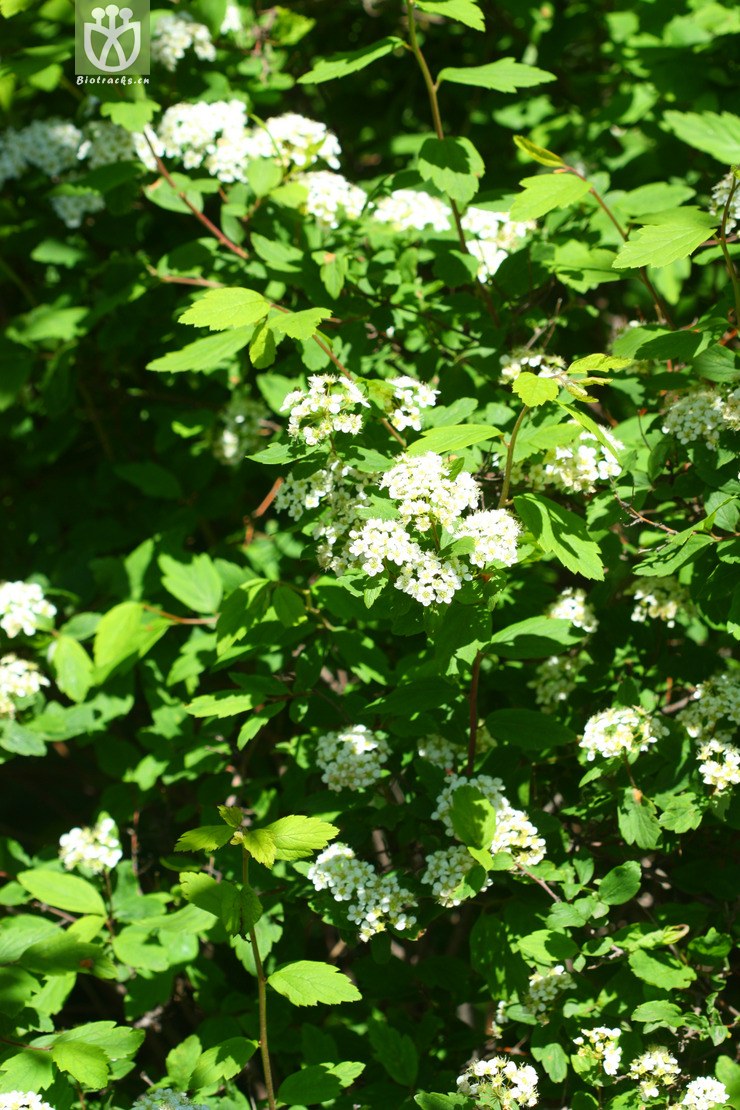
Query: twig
x: 510, y: 457
x: 174, y: 279
x: 261, y: 998
x: 473, y: 704
x: 176, y: 619
x: 638, y: 516
x: 727, y: 256
x: 540, y: 882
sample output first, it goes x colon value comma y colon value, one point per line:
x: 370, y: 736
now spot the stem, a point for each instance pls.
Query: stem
x: 728, y: 259
x: 540, y: 882
x: 510, y: 457
x: 261, y: 999
x: 473, y: 702
x: 176, y: 619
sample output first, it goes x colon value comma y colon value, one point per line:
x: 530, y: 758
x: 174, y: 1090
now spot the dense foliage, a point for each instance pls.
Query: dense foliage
x: 370, y: 405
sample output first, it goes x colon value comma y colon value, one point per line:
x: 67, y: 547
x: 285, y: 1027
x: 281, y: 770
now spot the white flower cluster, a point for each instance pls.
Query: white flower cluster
x: 620, y: 730
x: 514, y: 834
x: 555, y: 679
x: 440, y: 752
x: 72, y: 208
x: 326, y: 407
x: 239, y: 430
x: 296, y: 141
x: 534, y: 362
x: 600, y: 1046
x: 445, y: 870
x: 410, y: 397
x: 494, y: 533
x: 23, y: 608
x: 23, y: 1100
x: 166, y: 1099
x: 659, y: 599
x: 352, y: 759
x: 104, y: 143
x: 331, y: 197
x: 95, y: 848
x: 704, y: 1093
x: 545, y: 987
x: 173, y: 35
x: 720, y: 196
x: 715, y: 702
x: 720, y: 764
x: 425, y: 492
x: 491, y: 237
x: 409, y: 210
x: 572, y: 606
x: 512, y: 1084
x: 574, y: 467
x: 377, y: 902
x: 19, y: 679
x: 703, y: 414
x: 655, y: 1070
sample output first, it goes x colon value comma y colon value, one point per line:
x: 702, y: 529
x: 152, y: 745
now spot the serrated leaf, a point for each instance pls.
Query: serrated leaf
x: 318, y: 1083
x: 202, y: 891
x: 232, y: 815
x: 621, y: 883
x: 203, y: 354
x: 298, y: 325
x: 86, y: 1063
x: 545, y: 192
x: 716, y: 134
x: 453, y: 166
x: 661, y: 243
x: 260, y: 844
x: 659, y: 1013
x: 561, y: 533
x: 72, y: 666
x: 661, y: 970
x: 222, y: 1062
x: 534, y: 637
x: 461, y: 11
x: 308, y: 982
x: 473, y: 817
x: 505, y: 75
x: 444, y: 439
x: 207, y: 838
x: 351, y: 61
x: 63, y: 892
x: 181, y: 1060
x: 196, y: 584
x: 240, y: 909
x: 535, y: 390
x: 538, y: 153
x: 599, y: 362
x: 297, y: 837
x: 220, y: 309
x: 262, y: 347
x: 289, y: 606
x: 395, y: 1051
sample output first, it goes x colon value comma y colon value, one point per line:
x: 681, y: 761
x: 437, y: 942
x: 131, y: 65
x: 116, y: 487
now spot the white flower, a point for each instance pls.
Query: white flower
x: 714, y: 702
x: 72, y: 209
x: 95, y: 849
x: 23, y: 608
x: 491, y: 789
x: 703, y: 414
x: 660, y: 599
x: 572, y: 606
x: 331, y: 198
x: 720, y: 195
x: 720, y: 764
x: 704, y: 1093
x: 439, y: 751
x: 105, y: 143
x: 375, y: 902
x: 545, y: 986
x: 600, y: 1046
x: 534, y: 362
x: 51, y: 145
x: 23, y: 1100
x: 515, y: 833
x: 425, y: 492
x: 239, y: 430
x: 410, y: 397
x: 326, y: 407
x: 621, y: 730
x: 19, y: 679
x: 296, y: 141
x: 512, y: 1084
x: 352, y: 759
x: 212, y: 135
x: 555, y: 679
x: 494, y: 533
x: 445, y: 870
x: 491, y: 237
x: 409, y: 210
x: 173, y: 35
x: 656, y: 1070
x: 574, y: 467
x: 232, y: 21
x: 165, y: 1098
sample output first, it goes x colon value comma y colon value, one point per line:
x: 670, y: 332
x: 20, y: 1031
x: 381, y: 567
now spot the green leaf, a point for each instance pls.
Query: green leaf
x: 441, y: 1102
x: 395, y: 1051
x: 226, y: 703
x: 260, y: 844
x: 297, y: 837
x: 561, y: 533
x: 181, y: 1060
x: 351, y: 61
x: 553, y: 1059
x: 668, y: 237
x: 318, y: 1083
x: 222, y: 1062
x: 263, y: 175
x: 27, y: 1070
x: 298, y: 325
x: 535, y: 390
x: 505, y: 75
x: 600, y: 363
x: 659, y: 1013
x: 525, y: 728
x: 461, y: 11
x: 72, y: 666
x: 203, y: 891
x: 716, y: 134
x: 442, y: 440
x: 203, y: 354
x: 86, y: 1063
x: 621, y: 883
x: 117, y: 635
x: 661, y: 971
x: 538, y: 153
x: 453, y: 165
x: 307, y: 982
x: 240, y: 612
x: 545, y: 192
x: 545, y: 946
x: 132, y: 115
x: 534, y: 638
x: 241, y: 909
x: 220, y: 309
x: 288, y: 605
x: 681, y: 814
x: 262, y: 348
x: 232, y: 815
x: 196, y: 584
x: 63, y: 892
x: 637, y: 821
x: 207, y: 838
x: 473, y: 817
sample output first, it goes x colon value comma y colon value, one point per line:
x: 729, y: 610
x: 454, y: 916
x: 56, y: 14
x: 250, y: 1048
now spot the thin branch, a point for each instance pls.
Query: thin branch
x: 510, y: 457
x: 261, y: 999
x: 540, y: 882
x: 732, y: 272
x: 179, y: 620
x: 174, y: 279
x: 473, y: 710
x: 638, y: 516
